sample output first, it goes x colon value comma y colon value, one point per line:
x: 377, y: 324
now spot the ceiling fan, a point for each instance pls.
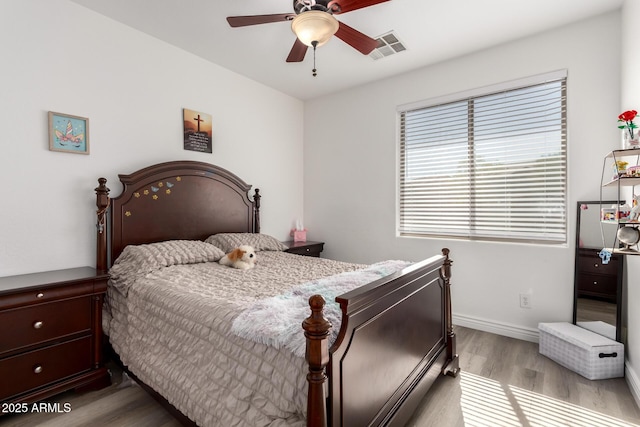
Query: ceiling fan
x: 313, y: 23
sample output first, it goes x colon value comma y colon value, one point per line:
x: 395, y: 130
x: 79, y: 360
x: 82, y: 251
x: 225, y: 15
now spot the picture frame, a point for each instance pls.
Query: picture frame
x: 198, y: 131
x: 68, y: 133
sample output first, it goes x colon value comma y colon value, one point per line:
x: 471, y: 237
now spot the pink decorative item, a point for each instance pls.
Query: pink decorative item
x: 300, y: 235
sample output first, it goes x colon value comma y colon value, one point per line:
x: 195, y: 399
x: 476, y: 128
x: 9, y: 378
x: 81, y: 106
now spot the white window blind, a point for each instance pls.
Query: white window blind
x: 486, y: 167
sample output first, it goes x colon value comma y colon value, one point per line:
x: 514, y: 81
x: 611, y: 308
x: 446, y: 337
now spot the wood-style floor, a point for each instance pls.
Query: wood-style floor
x: 593, y: 310
x: 504, y: 382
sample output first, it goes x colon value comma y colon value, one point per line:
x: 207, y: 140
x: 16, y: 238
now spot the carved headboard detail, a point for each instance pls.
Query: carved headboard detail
x: 173, y: 200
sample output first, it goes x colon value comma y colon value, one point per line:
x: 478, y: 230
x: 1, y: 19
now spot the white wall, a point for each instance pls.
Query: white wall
x: 59, y: 56
x: 630, y: 99
x: 350, y: 171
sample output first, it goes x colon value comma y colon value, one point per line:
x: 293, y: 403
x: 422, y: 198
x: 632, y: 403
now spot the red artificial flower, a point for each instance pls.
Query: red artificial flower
x: 627, y: 116
x: 627, y: 122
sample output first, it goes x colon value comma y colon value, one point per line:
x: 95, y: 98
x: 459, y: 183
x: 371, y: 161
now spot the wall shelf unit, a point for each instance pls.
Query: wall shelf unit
x: 621, y: 180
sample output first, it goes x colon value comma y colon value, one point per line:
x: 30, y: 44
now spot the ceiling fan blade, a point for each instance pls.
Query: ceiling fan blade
x: 298, y: 51
x: 243, y: 21
x: 342, y: 6
x: 354, y: 38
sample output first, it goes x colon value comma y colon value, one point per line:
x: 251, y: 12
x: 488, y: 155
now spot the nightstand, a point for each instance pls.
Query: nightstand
x: 51, y: 339
x: 305, y: 248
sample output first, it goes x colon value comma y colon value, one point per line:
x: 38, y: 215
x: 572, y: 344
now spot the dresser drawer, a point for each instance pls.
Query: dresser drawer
x: 593, y: 264
x: 597, y: 285
x: 40, y: 296
x: 40, y: 367
x: 44, y: 322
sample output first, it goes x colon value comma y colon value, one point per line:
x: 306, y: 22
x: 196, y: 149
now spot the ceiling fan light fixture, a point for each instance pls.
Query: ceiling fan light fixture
x: 314, y: 26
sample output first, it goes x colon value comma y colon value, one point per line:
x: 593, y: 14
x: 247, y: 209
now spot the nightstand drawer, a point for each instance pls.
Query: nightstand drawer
x: 40, y: 296
x: 44, y: 322
x: 305, y: 248
x: 41, y: 367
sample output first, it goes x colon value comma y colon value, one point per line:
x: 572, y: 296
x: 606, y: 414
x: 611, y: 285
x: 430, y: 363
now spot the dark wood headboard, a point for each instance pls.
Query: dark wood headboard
x: 173, y: 200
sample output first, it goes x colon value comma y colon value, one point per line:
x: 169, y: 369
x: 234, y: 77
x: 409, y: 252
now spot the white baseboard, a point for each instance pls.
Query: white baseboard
x: 506, y: 329
x: 633, y: 381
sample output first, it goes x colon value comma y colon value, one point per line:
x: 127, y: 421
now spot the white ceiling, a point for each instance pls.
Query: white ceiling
x: 432, y: 31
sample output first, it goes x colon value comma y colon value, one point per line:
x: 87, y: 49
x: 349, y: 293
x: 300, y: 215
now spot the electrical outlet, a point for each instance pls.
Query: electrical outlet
x: 525, y: 301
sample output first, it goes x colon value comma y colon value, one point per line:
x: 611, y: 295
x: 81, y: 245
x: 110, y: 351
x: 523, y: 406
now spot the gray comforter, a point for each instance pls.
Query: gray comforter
x: 169, y: 320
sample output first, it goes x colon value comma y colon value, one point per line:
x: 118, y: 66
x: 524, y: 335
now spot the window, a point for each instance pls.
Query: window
x: 488, y: 166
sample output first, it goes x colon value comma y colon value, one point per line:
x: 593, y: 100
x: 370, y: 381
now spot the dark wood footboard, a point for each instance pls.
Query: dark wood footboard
x: 395, y: 339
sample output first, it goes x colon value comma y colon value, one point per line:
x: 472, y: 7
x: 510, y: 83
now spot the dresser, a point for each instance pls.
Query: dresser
x: 51, y: 333
x: 305, y: 248
x: 595, y: 279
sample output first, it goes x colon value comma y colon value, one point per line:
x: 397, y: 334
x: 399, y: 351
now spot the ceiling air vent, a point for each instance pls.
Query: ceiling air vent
x: 388, y: 44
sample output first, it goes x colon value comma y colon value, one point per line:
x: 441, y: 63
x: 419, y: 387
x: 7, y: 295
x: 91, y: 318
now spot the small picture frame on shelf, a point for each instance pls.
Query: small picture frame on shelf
x: 68, y: 133
x: 633, y: 171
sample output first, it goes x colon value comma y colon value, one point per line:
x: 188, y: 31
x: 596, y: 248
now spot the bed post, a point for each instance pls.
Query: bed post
x: 256, y: 210
x: 451, y: 366
x: 102, y: 202
x: 316, y: 330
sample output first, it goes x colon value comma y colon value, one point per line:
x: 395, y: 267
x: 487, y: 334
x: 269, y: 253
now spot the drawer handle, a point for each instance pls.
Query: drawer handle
x: 595, y: 283
x: 603, y: 355
x: 596, y: 265
x: 308, y: 249
x: 38, y: 324
x: 40, y: 295
x: 37, y: 369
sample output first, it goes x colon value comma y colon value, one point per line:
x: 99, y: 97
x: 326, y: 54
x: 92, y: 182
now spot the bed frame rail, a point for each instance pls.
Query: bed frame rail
x: 396, y: 338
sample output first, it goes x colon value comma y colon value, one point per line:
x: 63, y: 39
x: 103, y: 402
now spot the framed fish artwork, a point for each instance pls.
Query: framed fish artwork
x: 68, y: 133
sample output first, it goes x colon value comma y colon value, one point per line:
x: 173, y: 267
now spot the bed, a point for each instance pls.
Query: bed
x: 394, y: 338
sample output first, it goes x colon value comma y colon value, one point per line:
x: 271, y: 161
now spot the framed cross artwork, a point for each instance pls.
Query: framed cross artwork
x: 197, y: 131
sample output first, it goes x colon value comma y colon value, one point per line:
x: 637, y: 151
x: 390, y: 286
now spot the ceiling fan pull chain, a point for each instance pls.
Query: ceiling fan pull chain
x: 314, y: 44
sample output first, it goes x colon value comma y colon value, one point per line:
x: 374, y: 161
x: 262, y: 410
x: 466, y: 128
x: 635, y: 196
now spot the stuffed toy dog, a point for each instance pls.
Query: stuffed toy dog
x: 243, y: 258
